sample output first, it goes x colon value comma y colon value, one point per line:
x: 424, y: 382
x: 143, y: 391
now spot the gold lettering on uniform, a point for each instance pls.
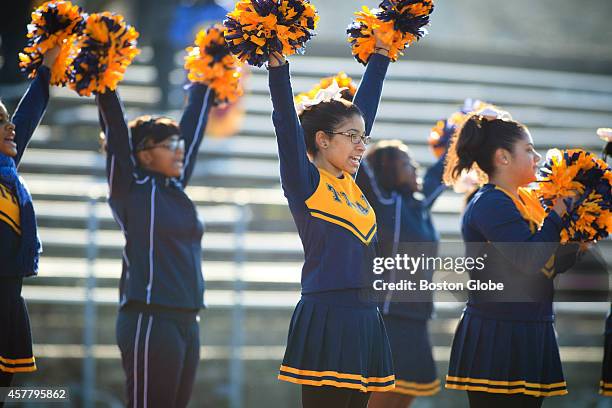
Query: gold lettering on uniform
x: 334, y: 192
x: 364, y: 209
x: 9, y: 208
x: 340, y: 201
x: 346, y: 200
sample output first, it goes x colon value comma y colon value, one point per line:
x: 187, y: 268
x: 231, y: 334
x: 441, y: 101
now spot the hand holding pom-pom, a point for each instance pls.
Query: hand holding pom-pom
x: 54, y: 24
x: 258, y: 31
x: 582, y: 182
x: 210, y: 62
x: 106, y: 48
x: 392, y: 27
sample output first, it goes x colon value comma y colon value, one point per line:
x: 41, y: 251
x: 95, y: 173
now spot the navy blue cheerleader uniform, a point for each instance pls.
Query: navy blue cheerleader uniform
x: 510, y: 347
x: 404, y: 222
x: 605, y: 385
x: 336, y: 336
x: 161, y: 287
x: 17, y: 228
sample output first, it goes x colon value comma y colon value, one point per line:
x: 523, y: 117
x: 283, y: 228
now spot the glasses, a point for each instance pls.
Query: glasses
x: 355, y: 137
x: 173, y: 145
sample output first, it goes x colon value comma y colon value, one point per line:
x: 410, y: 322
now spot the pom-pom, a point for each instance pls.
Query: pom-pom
x: 441, y: 134
x: 257, y: 28
x: 326, y: 95
x: 211, y: 62
x: 399, y: 23
x: 106, y: 48
x: 567, y: 172
x: 342, y: 80
x: 53, y: 23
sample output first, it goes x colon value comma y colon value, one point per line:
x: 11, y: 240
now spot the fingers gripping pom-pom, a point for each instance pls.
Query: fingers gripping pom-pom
x: 257, y: 28
x: 211, y: 62
x: 398, y: 23
x: 570, y: 172
x: 106, y: 48
x: 344, y: 81
x: 55, y: 23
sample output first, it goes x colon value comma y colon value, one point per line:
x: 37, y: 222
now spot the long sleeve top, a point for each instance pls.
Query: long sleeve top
x: 162, y: 257
x: 26, y: 118
x: 335, y: 222
x: 517, y: 254
x: 405, y: 227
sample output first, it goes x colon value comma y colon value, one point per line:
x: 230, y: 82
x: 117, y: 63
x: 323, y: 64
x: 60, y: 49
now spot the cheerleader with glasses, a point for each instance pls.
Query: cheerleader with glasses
x: 20, y: 247
x: 337, y: 346
x: 149, y: 163
x: 504, y: 352
x: 389, y: 180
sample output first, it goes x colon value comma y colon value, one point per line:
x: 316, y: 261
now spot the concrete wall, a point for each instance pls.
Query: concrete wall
x: 553, y: 34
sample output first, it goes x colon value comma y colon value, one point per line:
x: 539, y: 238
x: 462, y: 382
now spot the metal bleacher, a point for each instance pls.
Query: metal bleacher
x: 62, y: 166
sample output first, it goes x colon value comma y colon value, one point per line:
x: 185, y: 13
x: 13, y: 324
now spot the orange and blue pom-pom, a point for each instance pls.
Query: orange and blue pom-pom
x: 105, y: 50
x: 441, y: 134
x: 210, y: 62
x: 257, y: 28
x: 399, y: 23
x: 575, y: 171
x: 54, y: 23
x: 343, y: 81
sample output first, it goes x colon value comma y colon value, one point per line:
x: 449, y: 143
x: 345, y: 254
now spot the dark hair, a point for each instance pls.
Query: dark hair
x: 476, y: 142
x: 382, y: 159
x: 325, y: 116
x: 147, y: 128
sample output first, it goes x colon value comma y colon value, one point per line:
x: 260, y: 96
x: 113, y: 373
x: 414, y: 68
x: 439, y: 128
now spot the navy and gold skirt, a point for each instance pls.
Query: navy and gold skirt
x: 16, y: 341
x: 415, y: 368
x: 605, y: 385
x: 337, y: 338
x: 505, y: 357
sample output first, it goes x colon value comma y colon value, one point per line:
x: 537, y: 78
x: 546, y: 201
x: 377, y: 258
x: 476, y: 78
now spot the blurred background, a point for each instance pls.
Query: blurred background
x: 548, y: 62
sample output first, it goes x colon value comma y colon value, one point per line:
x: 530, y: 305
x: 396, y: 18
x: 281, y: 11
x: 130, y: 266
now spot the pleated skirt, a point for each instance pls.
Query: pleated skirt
x: 505, y: 357
x: 415, y: 368
x: 337, y: 338
x: 16, y: 337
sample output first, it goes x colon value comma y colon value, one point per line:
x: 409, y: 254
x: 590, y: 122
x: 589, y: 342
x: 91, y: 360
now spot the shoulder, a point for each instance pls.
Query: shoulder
x: 488, y: 204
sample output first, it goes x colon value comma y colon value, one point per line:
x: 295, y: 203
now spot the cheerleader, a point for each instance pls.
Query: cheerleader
x: 20, y: 247
x: 337, y: 348
x: 389, y: 181
x: 505, y: 354
x: 149, y: 163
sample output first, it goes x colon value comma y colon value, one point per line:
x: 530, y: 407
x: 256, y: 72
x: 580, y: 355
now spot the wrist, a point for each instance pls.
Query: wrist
x: 382, y: 51
x: 276, y: 60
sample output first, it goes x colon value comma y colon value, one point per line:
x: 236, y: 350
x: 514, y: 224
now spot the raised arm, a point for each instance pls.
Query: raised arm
x: 432, y: 182
x: 30, y: 110
x: 193, y: 124
x: 120, y: 163
x: 368, y: 94
x: 498, y: 219
x: 299, y: 177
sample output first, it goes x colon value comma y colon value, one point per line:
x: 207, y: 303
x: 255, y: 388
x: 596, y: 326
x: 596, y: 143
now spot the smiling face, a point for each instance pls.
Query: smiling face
x: 8, y: 146
x: 165, y: 157
x: 406, y: 170
x: 337, y: 149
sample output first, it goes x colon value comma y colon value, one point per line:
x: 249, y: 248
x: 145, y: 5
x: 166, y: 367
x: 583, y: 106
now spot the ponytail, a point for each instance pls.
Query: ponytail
x: 475, y: 144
